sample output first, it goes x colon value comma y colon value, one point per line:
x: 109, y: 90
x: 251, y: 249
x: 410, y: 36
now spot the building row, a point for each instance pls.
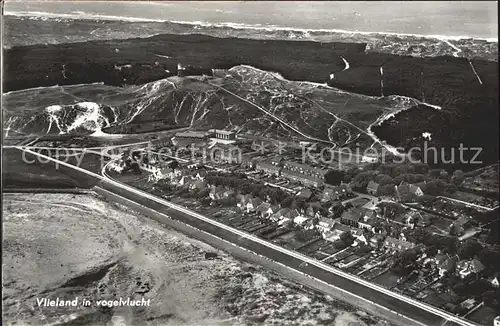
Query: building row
x: 305, y: 174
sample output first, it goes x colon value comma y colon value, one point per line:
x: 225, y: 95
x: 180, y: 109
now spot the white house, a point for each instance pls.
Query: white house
x: 253, y: 204
x: 325, y: 224
x: 200, y: 175
x: 216, y: 192
x: 300, y: 220
x: 270, y: 211
x: 244, y: 199
x: 496, y: 281
x: 262, y: 208
x: 283, y: 221
x: 279, y: 215
x: 470, y: 267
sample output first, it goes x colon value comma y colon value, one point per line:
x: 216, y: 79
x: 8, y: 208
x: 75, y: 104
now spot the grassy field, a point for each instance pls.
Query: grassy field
x: 18, y: 173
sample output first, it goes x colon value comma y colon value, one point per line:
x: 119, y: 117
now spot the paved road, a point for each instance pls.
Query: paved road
x: 416, y: 313
x: 467, y: 203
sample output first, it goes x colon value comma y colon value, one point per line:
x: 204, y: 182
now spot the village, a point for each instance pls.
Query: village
x: 406, y: 227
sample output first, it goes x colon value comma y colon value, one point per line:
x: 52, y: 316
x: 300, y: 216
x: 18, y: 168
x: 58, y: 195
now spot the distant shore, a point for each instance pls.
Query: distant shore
x: 45, y: 15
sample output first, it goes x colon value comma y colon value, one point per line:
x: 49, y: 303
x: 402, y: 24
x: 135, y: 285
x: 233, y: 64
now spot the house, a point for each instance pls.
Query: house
x: 216, y: 192
x: 262, y: 208
x: 359, y: 235
x: 372, y: 188
x: 200, y: 175
x: 309, y: 225
x: 327, y: 194
x: 367, y: 224
x: 253, y: 204
x: 466, y: 268
x: 468, y: 304
x: 229, y: 193
x: 440, y: 258
x: 186, y: 180
x: 325, y: 224
x: 244, y: 199
x: 305, y: 194
x: 368, y: 213
x: 463, y: 221
x: 425, y: 220
x: 331, y: 236
x: 352, y: 217
x: 397, y: 244
x: 271, y: 210
x: 342, y: 191
x: 412, y: 217
x: 456, y: 229
x: 335, y: 232
x: 446, y: 264
x: 300, y: 220
x: 284, y: 220
x: 367, y: 217
x: 407, y: 191
x: 495, y: 281
x: 310, y: 211
x: 198, y: 184
x: 292, y: 213
x: 377, y: 240
x: 279, y: 215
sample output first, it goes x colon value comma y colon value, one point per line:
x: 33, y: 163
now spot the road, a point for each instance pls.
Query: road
x: 415, y: 312
x: 467, y: 203
x: 347, y: 65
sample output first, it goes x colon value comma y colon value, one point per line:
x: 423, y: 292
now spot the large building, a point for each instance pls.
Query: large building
x: 304, y: 169
x: 223, y: 134
x: 268, y: 168
x: 191, y: 135
x: 302, y: 178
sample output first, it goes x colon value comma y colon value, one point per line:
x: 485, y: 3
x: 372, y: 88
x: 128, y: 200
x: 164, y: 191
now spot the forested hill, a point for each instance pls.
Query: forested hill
x: 467, y: 90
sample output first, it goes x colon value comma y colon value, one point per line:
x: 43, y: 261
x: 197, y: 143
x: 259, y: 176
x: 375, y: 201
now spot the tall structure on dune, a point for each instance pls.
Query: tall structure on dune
x: 382, y: 81
x: 422, y: 85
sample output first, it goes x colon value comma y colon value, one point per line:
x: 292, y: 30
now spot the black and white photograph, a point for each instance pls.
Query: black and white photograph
x: 220, y: 163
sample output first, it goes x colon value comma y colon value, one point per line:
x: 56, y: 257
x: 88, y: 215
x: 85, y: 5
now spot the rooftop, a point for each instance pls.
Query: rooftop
x: 195, y: 134
x: 223, y: 132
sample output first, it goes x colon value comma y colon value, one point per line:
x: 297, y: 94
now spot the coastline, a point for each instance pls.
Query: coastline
x: 268, y: 28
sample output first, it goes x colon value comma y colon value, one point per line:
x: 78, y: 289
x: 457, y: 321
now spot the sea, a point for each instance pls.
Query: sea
x: 443, y: 19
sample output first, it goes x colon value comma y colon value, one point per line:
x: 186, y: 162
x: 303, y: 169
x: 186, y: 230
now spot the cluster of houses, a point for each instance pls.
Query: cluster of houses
x: 331, y: 193
x: 402, y: 191
x: 275, y: 213
x: 451, y: 264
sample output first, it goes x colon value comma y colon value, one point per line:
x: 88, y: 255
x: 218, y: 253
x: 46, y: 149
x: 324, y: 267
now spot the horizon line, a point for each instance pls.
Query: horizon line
x: 234, y: 25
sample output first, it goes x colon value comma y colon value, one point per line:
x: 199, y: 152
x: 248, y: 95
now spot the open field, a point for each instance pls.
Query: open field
x: 17, y: 173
